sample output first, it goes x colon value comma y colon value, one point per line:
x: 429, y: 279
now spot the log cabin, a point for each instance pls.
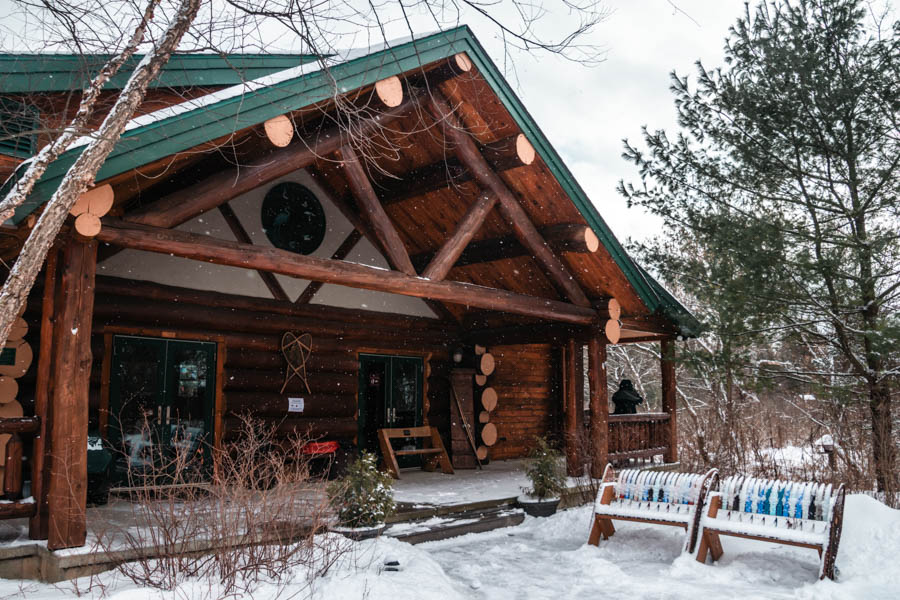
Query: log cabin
x: 396, y: 209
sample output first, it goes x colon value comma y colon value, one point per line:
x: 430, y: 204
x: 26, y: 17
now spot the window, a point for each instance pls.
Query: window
x: 18, y: 125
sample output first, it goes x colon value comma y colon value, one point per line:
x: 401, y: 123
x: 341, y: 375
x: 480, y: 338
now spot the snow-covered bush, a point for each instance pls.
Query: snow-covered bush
x: 545, y: 471
x: 363, y: 497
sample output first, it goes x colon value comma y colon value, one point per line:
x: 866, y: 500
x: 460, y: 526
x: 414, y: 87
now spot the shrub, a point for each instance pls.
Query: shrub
x: 363, y: 496
x: 545, y: 471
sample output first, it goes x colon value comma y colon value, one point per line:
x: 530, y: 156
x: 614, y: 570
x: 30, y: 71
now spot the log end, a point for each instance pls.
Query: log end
x: 279, y: 130
x: 486, y: 363
x: 100, y: 200
x: 591, y: 241
x: 390, y: 91
x: 524, y: 149
x: 489, y: 399
x: 463, y: 62
x: 613, y: 331
x: 489, y: 434
x: 88, y: 224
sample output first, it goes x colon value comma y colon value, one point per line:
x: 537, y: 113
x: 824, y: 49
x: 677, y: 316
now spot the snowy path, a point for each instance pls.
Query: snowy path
x: 549, y: 559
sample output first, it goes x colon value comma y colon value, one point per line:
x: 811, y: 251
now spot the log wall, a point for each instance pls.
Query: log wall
x: 254, y: 367
x: 529, y: 403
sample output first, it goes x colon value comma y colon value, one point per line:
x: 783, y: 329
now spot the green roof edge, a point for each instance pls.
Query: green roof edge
x: 146, y: 143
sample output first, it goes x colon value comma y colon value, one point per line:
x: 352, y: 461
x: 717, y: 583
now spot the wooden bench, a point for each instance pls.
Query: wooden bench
x: 432, y: 454
x: 804, y: 514
x: 656, y: 497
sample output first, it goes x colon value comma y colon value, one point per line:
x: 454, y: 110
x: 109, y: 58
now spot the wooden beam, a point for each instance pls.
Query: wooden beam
x: 241, y: 235
x: 446, y: 256
x: 235, y: 254
x: 368, y: 202
x: 564, y: 238
x: 669, y: 396
x: 599, y: 405
x: 524, y: 229
x: 445, y: 173
x: 68, y: 410
x: 38, y: 524
x: 343, y: 204
x: 341, y: 253
x: 194, y: 200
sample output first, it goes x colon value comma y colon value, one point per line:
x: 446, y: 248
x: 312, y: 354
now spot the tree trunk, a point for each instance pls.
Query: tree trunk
x: 882, y: 437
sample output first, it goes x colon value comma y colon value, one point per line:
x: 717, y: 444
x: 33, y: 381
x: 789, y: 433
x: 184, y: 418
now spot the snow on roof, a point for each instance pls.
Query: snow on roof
x: 242, y: 88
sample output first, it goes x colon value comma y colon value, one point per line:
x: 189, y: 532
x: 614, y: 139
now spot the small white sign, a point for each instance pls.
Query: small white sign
x: 295, y: 404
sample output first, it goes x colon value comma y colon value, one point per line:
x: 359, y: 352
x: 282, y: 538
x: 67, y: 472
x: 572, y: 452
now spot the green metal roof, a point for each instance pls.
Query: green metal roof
x: 38, y: 73
x: 183, y: 130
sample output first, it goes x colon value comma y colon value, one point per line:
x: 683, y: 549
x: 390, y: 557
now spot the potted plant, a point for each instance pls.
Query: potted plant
x: 548, y: 480
x: 362, y: 499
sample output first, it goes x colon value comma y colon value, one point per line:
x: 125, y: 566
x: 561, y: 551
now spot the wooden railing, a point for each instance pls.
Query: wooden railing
x: 13, y: 508
x: 638, y: 436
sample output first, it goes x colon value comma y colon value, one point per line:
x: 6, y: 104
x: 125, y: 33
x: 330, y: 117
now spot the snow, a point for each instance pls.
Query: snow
x: 549, y: 559
x: 250, y: 86
x: 499, y: 479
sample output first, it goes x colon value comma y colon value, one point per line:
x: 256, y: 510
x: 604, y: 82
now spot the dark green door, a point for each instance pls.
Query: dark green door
x: 390, y: 395
x: 161, y: 401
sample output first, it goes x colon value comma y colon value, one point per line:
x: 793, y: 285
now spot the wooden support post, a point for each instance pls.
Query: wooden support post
x: 341, y: 253
x: 669, y: 397
x: 574, y: 407
x: 525, y: 231
x: 241, y: 235
x: 68, y: 407
x: 599, y: 405
x: 368, y: 202
x: 37, y: 525
x: 467, y: 227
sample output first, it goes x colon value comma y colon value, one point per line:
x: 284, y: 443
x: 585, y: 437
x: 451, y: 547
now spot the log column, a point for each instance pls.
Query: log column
x: 599, y: 404
x: 574, y: 406
x: 68, y: 403
x: 669, y: 404
x: 37, y: 525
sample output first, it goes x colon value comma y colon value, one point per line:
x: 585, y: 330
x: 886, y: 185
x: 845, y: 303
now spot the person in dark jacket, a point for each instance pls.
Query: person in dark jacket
x: 626, y: 399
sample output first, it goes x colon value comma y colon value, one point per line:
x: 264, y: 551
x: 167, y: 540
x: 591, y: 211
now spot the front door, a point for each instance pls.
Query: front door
x: 161, y: 401
x: 390, y: 395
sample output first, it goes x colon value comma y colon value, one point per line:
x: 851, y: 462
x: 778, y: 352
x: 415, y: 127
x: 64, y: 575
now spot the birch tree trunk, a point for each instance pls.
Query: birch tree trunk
x: 78, y: 125
x: 82, y: 173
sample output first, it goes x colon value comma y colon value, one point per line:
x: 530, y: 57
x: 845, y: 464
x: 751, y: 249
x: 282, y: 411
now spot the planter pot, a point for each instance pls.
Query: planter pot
x: 538, y: 508
x: 359, y: 534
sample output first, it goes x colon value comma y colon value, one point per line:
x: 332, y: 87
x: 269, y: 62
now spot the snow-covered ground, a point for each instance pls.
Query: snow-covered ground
x: 548, y: 558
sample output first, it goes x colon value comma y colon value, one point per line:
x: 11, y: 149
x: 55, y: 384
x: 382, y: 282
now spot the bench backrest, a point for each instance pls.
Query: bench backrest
x: 659, y: 486
x: 791, y: 499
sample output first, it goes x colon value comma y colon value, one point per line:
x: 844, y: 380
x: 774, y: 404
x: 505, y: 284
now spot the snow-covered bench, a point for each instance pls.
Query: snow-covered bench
x: 657, y: 497
x: 805, y: 514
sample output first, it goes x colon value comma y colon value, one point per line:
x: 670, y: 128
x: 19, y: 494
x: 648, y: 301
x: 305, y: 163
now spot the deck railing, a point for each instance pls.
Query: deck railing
x: 12, y: 507
x: 638, y: 436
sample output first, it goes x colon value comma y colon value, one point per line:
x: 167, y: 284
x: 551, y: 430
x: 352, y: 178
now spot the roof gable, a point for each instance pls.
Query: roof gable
x: 195, y: 122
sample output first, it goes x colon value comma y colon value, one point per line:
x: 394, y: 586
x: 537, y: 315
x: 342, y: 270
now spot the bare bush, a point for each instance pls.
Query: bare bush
x: 221, y: 521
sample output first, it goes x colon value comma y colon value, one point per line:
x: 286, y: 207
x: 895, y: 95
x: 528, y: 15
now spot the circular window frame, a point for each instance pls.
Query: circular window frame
x: 283, y: 201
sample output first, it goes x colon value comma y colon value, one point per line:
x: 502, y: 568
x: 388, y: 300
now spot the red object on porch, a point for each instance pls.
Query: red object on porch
x: 320, y: 448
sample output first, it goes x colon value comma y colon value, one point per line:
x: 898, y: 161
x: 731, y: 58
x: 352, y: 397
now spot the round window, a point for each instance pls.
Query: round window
x: 292, y: 218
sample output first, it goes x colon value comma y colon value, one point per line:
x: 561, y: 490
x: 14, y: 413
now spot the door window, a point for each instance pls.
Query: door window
x: 161, y: 401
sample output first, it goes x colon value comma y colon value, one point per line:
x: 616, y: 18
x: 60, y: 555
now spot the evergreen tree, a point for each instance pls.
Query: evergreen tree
x: 783, y: 185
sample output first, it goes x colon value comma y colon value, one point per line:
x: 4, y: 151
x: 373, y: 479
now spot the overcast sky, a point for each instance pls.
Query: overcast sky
x: 585, y: 111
